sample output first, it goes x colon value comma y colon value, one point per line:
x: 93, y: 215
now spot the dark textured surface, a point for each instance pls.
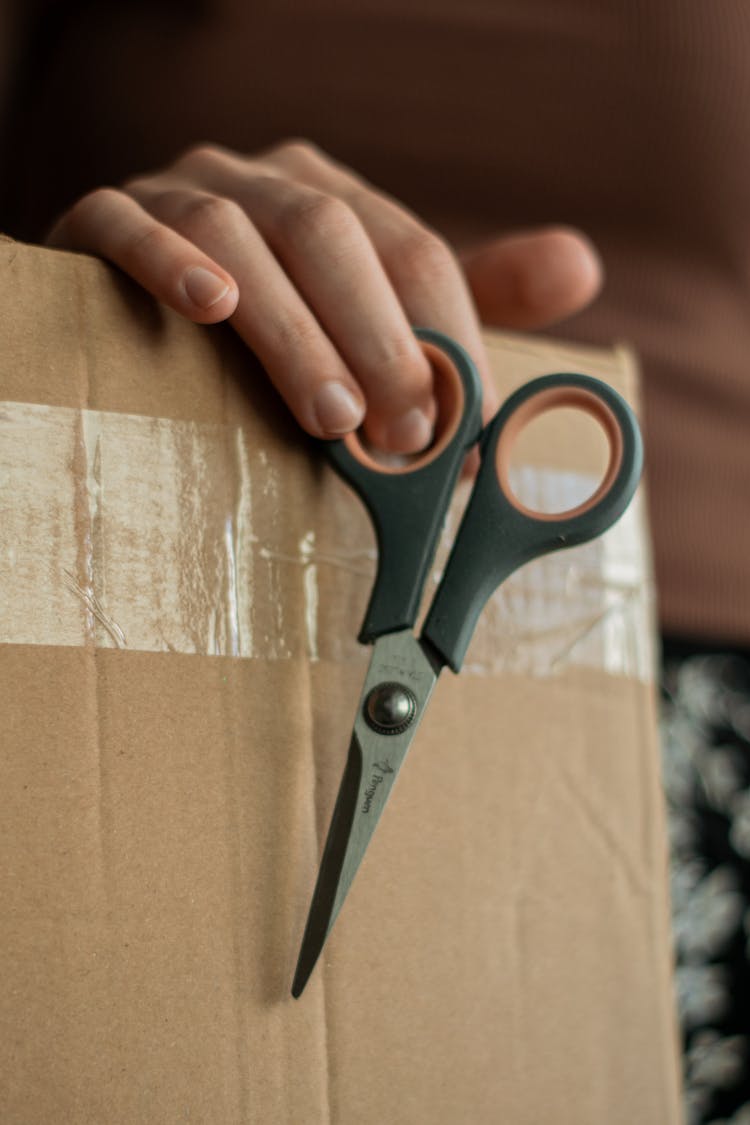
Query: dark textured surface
x: 706, y: 741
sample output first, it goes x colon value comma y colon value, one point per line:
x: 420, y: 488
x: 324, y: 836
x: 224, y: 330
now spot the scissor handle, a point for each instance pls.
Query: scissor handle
x: 498, y: 534
x: 408, y: 503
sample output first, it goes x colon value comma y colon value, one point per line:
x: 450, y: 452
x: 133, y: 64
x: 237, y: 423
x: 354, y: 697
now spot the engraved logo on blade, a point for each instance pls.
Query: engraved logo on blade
x: 378, y: 776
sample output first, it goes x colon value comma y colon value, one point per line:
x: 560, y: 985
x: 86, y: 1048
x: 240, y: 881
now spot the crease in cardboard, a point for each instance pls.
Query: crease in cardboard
x: 594, y: 820
x: 82, y: 472
x: 342, y: 561
x: 173, y: 557
x: 92, y: 604
x: 241, y: 526
x: 310, y: 585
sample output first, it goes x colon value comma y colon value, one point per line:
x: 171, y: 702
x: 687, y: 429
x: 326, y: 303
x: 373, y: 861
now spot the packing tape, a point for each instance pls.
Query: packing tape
x: 122, y: 531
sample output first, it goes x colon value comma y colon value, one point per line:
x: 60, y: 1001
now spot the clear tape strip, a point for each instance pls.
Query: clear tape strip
x: 148, y: 534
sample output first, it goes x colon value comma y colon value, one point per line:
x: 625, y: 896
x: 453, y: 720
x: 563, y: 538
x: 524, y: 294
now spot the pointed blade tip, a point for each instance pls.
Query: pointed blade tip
x: 302, y: 975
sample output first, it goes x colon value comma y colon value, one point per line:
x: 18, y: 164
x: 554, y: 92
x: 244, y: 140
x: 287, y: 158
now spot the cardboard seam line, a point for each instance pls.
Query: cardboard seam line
x: 84, y: 524
x: 323, y: 968
x: 233, y: 831
x: 92, y: 686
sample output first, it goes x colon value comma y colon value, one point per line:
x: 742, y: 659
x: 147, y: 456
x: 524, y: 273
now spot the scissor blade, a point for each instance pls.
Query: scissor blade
x: 328, y: 896
x: 372, y: 766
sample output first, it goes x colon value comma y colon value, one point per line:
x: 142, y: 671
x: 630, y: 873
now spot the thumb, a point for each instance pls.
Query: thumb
x: 533, y: 278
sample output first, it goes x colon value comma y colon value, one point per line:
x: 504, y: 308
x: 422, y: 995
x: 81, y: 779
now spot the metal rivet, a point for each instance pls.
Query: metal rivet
x: 390, y: 708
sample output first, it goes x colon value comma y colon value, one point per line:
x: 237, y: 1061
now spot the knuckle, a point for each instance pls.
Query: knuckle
x: 295, y: 335
x: 160, y: 201
x: 136, y: 185
x: 201, y: 157
x: 94, y: 201
x: 297, y: 152
x: 424, y: 258
x: 404, y: 368
x: 91, y: 211
x: 266, y: 183
x: 211, y: 213
x: 313, y: 214
x: 152, y: 242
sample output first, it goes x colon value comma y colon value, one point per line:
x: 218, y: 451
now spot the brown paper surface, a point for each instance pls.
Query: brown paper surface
x: 172, y: 738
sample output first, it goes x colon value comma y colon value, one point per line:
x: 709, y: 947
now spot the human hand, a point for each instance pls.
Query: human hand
x: 322, y: 275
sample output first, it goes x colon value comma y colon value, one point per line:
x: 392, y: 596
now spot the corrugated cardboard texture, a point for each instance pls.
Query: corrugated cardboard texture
x: 504, y: 954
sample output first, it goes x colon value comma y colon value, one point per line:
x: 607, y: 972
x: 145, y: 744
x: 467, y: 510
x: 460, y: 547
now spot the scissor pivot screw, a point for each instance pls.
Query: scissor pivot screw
x: 390, y: 708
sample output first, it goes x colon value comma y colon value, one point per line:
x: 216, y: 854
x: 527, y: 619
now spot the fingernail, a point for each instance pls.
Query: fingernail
x: 336, y: 409
x: 410, y: 432
x: 203, y: 287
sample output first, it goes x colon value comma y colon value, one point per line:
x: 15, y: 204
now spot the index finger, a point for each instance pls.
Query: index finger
x: 420, y: 265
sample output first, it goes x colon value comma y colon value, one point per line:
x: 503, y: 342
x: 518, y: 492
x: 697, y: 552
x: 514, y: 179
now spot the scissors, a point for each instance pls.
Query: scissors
x: 498, y: 534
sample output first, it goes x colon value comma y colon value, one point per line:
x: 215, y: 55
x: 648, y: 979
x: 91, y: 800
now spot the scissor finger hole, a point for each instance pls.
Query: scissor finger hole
x: 449, y: 396
x: 567, y: 424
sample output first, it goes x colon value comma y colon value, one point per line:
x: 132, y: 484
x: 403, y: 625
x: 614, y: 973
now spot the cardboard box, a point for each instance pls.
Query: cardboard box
x: 182, y: 579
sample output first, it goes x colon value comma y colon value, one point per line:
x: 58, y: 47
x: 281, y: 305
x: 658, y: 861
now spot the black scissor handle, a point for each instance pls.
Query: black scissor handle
x: 408, y: 503
x: 498, y: 534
